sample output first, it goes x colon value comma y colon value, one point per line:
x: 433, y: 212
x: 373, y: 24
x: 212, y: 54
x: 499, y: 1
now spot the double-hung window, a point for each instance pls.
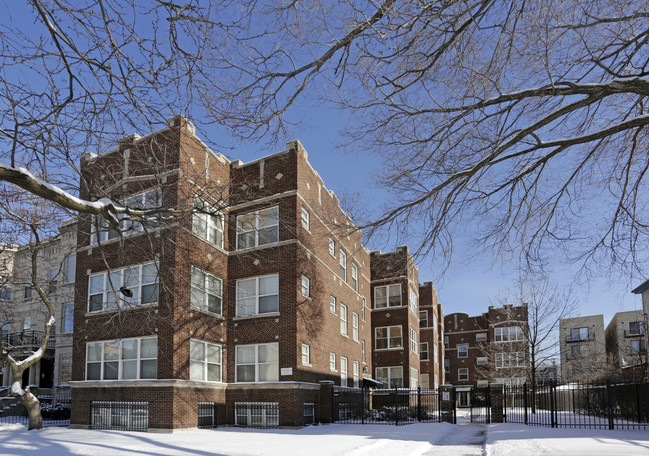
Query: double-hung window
x: 306, y: 355
x: 387, y: 296
x: 388, y: 337
x: 54, y: 280
x: 413, y: 302
x: 132, y: 286
x: 207, y: 222
x: 258, y: 228
x: 332, y: 362
x: 356, y: 373
x: 463, y: 351
x: 332, y: 247
x: 463, y: 373
x: 258, y: 295
x: 414, y: 341
x: 101, y: 230
x: 68, y: 318
x: 343, y: 319
x: 343, y: 371
x: 355, y: 326
x: 423, y: 351
x: 343, y: 265
x: 125, y: 359
x: 508, y: 334
x: 305, y: 219
x: 257, y: 363
x: 481, y: 337
x: 354, y: 277
x: 332, y: 304
x: 206, y: 293
x: 305, y: 287
x: 423, y: 319
x: 205, y: 361
x: 70, y: 268
x: 391, y: 377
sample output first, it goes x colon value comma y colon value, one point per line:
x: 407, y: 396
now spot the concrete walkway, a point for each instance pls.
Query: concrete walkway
x: 466, y: 440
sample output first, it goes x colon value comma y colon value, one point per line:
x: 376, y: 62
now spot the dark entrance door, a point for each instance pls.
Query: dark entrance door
x: 47, y: 373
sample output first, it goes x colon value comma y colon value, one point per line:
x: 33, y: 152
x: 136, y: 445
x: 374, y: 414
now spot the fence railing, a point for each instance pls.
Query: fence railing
x: 55, y: 410
x: 481, y: 405
x: 27, y: 339
x: 580, y: 405
x: 127, y: 416
x: 395, y: 406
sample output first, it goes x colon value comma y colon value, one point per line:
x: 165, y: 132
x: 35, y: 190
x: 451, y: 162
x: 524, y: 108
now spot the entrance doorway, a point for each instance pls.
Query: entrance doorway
x: 464, y: 398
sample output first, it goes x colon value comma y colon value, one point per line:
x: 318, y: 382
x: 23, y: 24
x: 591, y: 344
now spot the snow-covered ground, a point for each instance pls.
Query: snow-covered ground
x: 330, y: 440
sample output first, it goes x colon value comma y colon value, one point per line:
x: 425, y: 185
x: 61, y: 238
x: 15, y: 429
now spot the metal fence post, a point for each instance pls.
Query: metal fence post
x: 525, y: 400
x: 454, y: 407
x: 637, y: 403
x: 419, y: 403
x: 552, y: 406
x: 362, y: 405
x: 396, y: 407
x: 609, y: 394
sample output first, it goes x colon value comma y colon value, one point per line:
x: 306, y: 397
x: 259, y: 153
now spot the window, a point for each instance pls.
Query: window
x: 27, y: 323
x: 435, y: 351
x: 481, y: 337
x: 387, y: 296
x: 258, y: 228
x: 343, y: 371
x: 207, y: 222
x: 332, y: 248
x: 577, y: 334
x: 68, y: 318
x: 206, y: 415
x: 306, y: 355
x: 206, y: 291
x: 505, y: 360
x: 70, y: 268
x: 446, y: 345
x: 101, y: 230
x: 125, y: 359
x: 204, y: 361
x: 423, y: 319
x: 391, y: 377
x: 637, y: 347
x: 414, y: 378
x: 53, y: 280
x: 343, y: 265
x: 257, y: 363
x: 256, y: 414
x: 578, y: 351
x: 332, y: 362
x: 509, y: 334
x: 356, y: 373
x: 447, y: 366
x: 423, y: 381
x: 65, y: 369
x: 636, y: 327
x: 309, y: 413
x: 462, y: 351
x: 332, y: 304
x: 343, y: 319
x: 305, y: 287
x: 132, y: 286
x: 354, y: 277
x: 413, y: 302
x: 363, y: 352
x: 423, y: 351
x: 388, y: 338
x: 305, y: 219
x: 414, y: 341
x: 130, y: 416
x: 481, y: 360
x: 355, y: 326
x: 258, y: 295
x: 463, y: 374
x: 29, y: 289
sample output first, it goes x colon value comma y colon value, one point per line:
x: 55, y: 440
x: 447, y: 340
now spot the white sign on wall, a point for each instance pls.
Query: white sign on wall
x: 286, y: 371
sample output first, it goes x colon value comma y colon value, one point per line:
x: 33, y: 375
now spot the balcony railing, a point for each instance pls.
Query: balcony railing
x: 590, y: 336
x: 633, y: 333
x: 27, y: 339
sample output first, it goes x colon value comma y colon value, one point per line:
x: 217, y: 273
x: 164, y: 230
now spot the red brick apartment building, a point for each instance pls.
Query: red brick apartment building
x: 240, y: 303
x: 486, y: 348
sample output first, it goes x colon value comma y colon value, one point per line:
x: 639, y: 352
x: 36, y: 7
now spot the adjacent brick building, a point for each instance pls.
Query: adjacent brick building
x: 246, y: 297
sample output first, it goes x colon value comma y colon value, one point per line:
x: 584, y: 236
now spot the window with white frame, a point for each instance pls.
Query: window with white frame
x: 332, y: 247
x: 257, y: 363
x: 414, y: 341
x: 463, y: 351
x: 387, y: 296
x: 305, y: 287
x: 423, y: 319
x: 343, y: 264
x: 435, y: 352
x: 391, y: 377
x: 388, y: 338
x: 27, y: 323
x: 207, y: 222
x: 515, y: 359
x: 306, y: 355
x: 509, y: 334
x: 413, y: 302
x: 70, y: 268
x: 423, y: 381
x: 423, y: 351
x: 258, y: 228
x: 102, y: 231
x: 256, y: 414
x: 343, y: 371
x: 305, y: 219
x: 332, y: 304
x: 414, y: 378
x: 258, y: 295
x: 205, y: 361
x: 447, y: 365
x: 125, y: 359
x: 463, y: 374
x: 363, y: 352
x: 356, y: 373
x: 332, y: 362
x: 343, y: 319
x: 206, y: 291
x: 132, y: 286
x: 354, y: 277
x: 355, y: 326
x: 68, y: 318
x: 481, y: 337
x: 481, y: 360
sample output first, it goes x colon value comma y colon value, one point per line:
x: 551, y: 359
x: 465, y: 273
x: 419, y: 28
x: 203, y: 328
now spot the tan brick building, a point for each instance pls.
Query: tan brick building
x: 249, y: 290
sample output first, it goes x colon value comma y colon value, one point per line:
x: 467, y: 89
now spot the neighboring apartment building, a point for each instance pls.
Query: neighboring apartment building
x: 583, y: 348
x: 248, y: 292
x: 486, y: 348
x: 431, y: 329
x: 25, y: 322
x: 626, y: 344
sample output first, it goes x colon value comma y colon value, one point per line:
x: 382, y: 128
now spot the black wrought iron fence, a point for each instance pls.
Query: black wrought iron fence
x: 206, y: 415
x: 481, y: 405
x: 582, y: 405
x: 55, y: 410
x: 127, y: 416
x: 385, y: 406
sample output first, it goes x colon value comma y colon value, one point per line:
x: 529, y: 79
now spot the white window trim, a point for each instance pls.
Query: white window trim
x: 482, y: 361
x: 389, y: 337
x: 343, y: 319
x: 108, y: 287
x: 516, y: 330
x: 390, y: 376
x: 257, y: 295
x: 342, y: 261
x: 332, y: 247
x: 343, y: 370
x: 306, y: 224
x: 305, y: 287
x: 332, y: 362
x: 458, y: 350
x: 424, y: 312
x: 356, y: 373
x: 120, y: 360
x: 205, y: 362
x: 414, y: 341
x: 306, y: 351
x: 256, y: 364
x: 355, y: 326
x: 205, y: 291
x: 64, y: 326
x: 459, y: 375
x: 387, y: 296
x: 332, y: 304
x: 256, y: 228
x: 210, y: 218
x: 355, y: 277
x: 422, y: 352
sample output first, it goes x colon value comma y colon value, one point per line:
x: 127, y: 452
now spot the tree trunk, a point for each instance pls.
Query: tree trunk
x: 31, y: 404
x: 533, y: 366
